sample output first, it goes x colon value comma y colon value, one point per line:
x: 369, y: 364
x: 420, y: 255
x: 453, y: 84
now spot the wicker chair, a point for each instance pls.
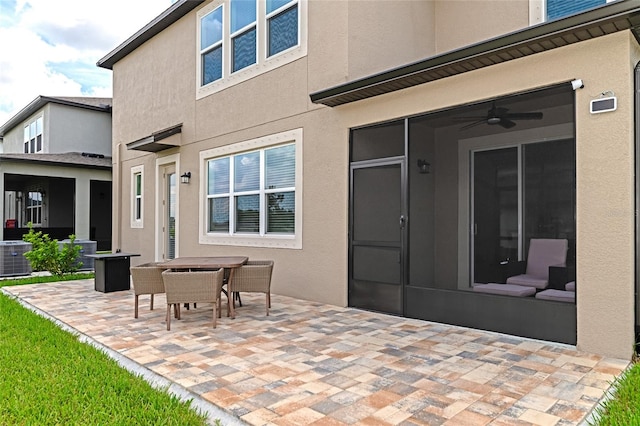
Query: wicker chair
x: 254, y: 277
x: 147, y: 279
x: 192, y: 287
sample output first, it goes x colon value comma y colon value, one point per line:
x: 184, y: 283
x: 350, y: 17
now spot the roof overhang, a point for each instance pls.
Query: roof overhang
x: 176, y: 11
x: 617, y: 16
x: 153, y: 142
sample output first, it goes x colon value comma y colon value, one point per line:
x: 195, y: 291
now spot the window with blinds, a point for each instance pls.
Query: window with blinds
x: 253, y: 192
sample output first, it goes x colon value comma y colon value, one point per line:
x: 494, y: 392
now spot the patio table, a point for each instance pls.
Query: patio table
x: 210, y: 262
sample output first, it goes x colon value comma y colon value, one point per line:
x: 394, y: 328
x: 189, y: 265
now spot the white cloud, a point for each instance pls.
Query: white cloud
x: 51, y: 47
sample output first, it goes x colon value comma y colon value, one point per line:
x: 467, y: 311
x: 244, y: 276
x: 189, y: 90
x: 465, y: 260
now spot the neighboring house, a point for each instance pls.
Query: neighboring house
x: 391, y: 155
x: 55, y: 169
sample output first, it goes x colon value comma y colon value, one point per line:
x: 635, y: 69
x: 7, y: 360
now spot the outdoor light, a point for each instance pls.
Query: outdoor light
x: 185, y: 177
x: 424, y: 166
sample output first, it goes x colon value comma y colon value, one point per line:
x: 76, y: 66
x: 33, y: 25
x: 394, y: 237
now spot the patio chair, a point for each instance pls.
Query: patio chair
x: 254, y: 277
x: 192, y: 287
x: 147, y: 279
x: 543, y: 254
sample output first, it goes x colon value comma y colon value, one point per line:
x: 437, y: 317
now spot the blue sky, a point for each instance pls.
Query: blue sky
x: 50, y: 47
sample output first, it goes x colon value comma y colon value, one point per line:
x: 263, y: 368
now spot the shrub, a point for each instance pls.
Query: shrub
x: 46, y: 254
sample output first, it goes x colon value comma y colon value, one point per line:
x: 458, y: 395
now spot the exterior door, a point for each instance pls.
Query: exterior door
x: 495, y: 212
x: 378, y: 226
x: 169, y: 212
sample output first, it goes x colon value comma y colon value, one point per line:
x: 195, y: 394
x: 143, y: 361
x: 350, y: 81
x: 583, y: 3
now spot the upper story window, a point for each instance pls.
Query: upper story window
x: 549, y: 10
x: 137, y: 185
x: 253, y: 196
x: 33, y: 136
x: 239, y: 39
x: 560, y: 8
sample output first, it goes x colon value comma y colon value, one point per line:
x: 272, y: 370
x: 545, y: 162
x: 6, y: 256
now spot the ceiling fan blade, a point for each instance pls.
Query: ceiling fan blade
x: 524, y: 116
x: 468, y: 118
x: 506, y: 123
x: 475, y: 123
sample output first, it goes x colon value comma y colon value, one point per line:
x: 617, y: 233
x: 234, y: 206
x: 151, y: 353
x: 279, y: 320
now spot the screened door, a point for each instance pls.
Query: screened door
x: 376, y: 237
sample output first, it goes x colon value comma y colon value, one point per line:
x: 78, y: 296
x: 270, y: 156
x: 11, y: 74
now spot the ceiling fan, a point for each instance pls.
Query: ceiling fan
x: 500, y: 116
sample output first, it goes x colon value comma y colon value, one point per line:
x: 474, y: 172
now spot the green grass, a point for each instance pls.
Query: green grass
x: 48, y: 377
x: 624, y: 407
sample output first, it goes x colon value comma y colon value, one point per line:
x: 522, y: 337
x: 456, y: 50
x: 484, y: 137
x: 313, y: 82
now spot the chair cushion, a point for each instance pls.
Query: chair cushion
x: 528, y: 281
x: 570, y: 286
x: 545, y: 252
x: 557, y: 295
x: 505, y: 289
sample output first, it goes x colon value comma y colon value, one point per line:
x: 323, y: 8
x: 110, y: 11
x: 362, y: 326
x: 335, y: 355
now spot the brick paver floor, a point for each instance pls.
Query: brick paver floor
x: 313, y: 364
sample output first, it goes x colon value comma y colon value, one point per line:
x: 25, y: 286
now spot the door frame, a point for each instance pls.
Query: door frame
x: 161, y: 165
x: 403, y: 243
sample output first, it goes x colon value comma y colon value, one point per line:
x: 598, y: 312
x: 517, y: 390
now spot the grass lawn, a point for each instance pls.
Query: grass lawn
x: 48, y: 377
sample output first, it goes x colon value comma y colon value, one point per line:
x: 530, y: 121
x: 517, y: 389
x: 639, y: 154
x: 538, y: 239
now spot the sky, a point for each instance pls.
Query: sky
x: 50, y: 47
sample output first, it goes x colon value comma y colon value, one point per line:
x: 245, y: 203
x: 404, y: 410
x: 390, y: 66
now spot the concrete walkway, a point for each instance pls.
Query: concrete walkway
x: 314, y: 364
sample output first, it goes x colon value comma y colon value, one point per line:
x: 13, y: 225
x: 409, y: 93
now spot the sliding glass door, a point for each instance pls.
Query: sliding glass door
x: 518, y: 193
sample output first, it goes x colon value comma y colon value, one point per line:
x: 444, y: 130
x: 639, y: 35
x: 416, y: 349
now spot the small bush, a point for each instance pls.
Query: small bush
x: 46, y: 255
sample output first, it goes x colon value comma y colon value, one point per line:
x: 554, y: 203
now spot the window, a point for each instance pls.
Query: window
x: 239, y: 39
x: 549, y: 10
x: 137, y: 204
x: 253, y: 195
x: 33, y: 136
x: 34, y: 208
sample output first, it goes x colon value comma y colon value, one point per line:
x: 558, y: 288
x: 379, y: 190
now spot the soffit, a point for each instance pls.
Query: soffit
x: 614, y: 17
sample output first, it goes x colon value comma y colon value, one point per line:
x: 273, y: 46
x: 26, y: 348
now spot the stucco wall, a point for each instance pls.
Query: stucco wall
x: 460, y: 23
x: 72, y: 129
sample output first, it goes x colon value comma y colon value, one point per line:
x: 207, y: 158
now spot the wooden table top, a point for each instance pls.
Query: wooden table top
x: 204, y: 262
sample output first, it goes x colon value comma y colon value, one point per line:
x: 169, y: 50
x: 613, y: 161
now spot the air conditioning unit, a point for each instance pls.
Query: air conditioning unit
x: 86, y: 247
x: 12, y: 260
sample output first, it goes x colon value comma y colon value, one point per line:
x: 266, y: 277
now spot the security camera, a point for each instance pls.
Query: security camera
x: 577, y: 84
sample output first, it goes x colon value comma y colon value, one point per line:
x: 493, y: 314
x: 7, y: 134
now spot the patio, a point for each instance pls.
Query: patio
x: 309, y: 363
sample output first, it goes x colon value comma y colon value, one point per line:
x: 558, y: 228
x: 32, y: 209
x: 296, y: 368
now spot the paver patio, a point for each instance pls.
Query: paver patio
x: 314, y: 364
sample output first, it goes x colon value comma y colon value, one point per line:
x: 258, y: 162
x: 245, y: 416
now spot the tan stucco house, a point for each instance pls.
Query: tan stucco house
x: 395, y: 156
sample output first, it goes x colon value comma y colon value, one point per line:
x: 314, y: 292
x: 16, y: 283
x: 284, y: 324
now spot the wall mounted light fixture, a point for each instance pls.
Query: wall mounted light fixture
x: 424, y: 166
x: 185, y: 177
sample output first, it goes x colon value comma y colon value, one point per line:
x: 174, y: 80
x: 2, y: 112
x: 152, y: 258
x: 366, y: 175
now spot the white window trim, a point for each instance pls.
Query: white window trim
x: 27, y: 127
x: 249, y: 240
x: 263, y: 63
x: 137, y: 223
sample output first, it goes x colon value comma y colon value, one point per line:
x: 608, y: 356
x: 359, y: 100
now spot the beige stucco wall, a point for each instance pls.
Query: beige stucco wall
x: 461, y: 23
x: 154, y: 88
x: 605, y: 167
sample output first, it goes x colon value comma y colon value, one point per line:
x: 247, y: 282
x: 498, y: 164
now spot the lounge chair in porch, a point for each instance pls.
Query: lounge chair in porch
x: 543, y: 254
x: 566, y: 295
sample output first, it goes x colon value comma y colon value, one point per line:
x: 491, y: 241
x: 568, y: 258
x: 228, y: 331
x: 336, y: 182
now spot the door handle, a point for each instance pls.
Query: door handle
x: 403, y: 221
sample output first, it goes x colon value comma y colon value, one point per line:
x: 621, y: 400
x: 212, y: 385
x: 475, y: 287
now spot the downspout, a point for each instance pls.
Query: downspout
x: 116, y: 196
x: 636, y: 115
